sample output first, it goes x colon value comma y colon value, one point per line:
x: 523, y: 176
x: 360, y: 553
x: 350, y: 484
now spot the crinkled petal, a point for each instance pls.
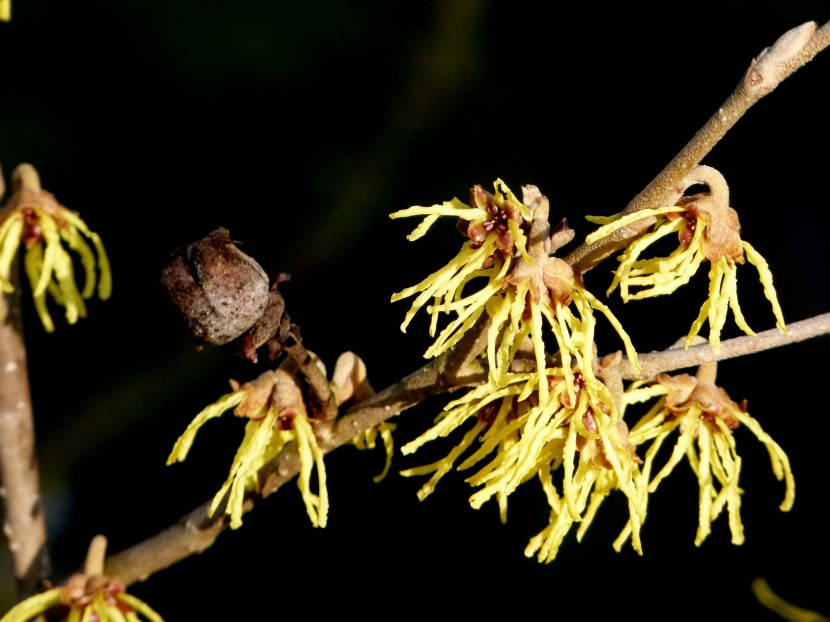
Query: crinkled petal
x: 246, y: 463
x: 185, y: 441
x: 32, y: 607
x: 10, y: 232
x: 317, y: 505
x: 140, y: 606
x: 765, y: 275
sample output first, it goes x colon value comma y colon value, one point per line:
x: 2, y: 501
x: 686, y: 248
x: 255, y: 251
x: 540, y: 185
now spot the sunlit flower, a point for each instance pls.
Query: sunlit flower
x: 544, y: 286
x: 496, y: 225
x: 48, y: 232
x: 86, y: 597
x: 708, y: 230
x: 530, y: 417
x: 524, y: 283
x: 596, y: 485
x: 704, y: 417
x: 518, y: 437
x: 274, y: 407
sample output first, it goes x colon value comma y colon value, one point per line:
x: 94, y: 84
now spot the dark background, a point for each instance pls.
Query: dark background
x: 299, y: 126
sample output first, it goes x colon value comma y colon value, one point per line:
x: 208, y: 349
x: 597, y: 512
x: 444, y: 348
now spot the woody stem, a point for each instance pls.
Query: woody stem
x: 24, y: 521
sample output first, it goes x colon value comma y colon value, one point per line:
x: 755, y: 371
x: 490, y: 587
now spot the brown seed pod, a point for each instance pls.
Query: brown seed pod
x: 220, y: 291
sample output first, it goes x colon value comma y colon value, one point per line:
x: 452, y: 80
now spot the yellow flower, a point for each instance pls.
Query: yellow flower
x: 496, y: 413
x: 704, y: 417
x: 277, y: 415
x: 512, y: 251
x: 85, y: 597
x: 529, y: 427
x: 46, y: 228
x: 530, y: 417
x: 496, y: 226
x: 542, y: 285
x: 523, y: 437
x: 708, y: 230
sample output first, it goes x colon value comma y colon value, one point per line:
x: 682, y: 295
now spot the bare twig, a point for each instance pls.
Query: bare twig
x: 193, y: 533
x: 24, y: 522
x: 676, y: 358
x: 792, y: 51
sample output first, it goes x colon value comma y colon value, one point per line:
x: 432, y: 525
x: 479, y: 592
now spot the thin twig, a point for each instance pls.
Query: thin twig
x: 789, y: 53
x: 193, y: 533
x: 676, y: 358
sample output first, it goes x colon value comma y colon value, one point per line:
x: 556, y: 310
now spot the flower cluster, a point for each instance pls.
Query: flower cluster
x: 708, y: 230
x: 529, y: 420
x: 538, y: 415
x: 34, y: 218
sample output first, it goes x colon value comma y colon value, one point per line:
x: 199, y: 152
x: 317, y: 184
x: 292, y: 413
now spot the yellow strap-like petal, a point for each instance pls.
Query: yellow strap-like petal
x: 140, y: 606
x: 33, y: 606
x: 185, y: 441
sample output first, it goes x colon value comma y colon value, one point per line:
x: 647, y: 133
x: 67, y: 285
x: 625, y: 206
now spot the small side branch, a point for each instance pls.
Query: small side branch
x: 315, y: 378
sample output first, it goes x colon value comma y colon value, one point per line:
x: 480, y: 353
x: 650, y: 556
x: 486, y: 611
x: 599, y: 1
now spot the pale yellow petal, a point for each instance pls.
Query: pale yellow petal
x: 185, y: 441
x: 32, y: 607
x: 765, y: 275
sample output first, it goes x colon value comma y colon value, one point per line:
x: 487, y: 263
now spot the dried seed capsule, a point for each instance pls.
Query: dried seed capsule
x: 220, y: 291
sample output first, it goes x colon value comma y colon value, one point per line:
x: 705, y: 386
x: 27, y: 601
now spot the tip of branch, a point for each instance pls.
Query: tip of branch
x: 771, y: 65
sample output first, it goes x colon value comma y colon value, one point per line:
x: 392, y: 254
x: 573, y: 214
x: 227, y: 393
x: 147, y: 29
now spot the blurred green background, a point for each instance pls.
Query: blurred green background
x: 299, y: 126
